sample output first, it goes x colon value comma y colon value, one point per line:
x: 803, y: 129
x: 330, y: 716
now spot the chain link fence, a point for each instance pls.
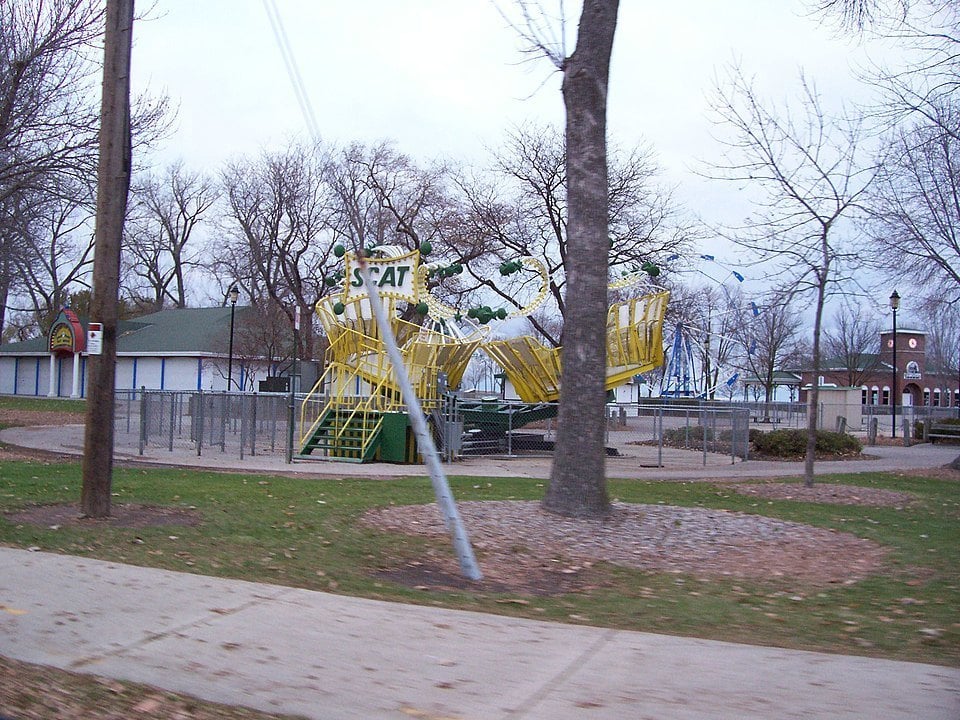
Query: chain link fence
x: 200, y: 422
x: 497, y: 427
x: 255, y: 424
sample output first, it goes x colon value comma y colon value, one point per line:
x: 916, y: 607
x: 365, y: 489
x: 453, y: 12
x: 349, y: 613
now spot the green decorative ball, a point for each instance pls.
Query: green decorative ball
x: 426, y: 248
x: 422, y: 308
x: 338, y: 308
x: 339, y: 250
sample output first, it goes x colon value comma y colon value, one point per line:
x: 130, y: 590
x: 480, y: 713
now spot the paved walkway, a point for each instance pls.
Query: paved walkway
x: 330, y: 657
x: 642, y: 464
x: 325, y: 656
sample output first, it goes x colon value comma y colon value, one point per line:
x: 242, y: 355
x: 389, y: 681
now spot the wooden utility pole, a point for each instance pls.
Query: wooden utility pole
x: 113, y: 185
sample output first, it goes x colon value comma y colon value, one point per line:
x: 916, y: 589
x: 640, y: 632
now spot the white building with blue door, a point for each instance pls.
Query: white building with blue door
x: 182, y: 349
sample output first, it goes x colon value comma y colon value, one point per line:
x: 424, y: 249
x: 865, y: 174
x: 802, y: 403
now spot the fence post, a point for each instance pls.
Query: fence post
x: 291, y: 414
x: 703, y: 424
x: 746, y: 434
x: 223, y: 421
x: 658, y: 420
x: 907, y: 433
x: 274, y: 407
x: 143, y: 419
x: 253, y: 424
x: 734, y: 427
x: 173, y: 418
x: 242, y: 425
x: 197, y: 420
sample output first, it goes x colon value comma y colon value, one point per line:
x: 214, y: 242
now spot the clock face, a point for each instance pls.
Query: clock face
x: 890, y: 343
x: 912, y: 343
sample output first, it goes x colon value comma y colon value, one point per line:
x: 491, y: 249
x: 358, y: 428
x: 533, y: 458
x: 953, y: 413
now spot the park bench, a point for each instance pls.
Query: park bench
x: 942, y: 431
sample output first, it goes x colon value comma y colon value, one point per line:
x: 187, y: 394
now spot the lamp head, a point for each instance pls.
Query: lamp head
x: 895, y: 300
x: 234, y: 295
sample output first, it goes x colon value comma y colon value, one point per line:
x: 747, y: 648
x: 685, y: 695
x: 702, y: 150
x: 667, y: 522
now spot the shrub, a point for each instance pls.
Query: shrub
x: 792, y: 443
x: 682, y: 435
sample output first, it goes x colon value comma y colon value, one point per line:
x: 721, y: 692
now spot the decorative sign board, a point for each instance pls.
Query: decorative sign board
x: 94, y: 339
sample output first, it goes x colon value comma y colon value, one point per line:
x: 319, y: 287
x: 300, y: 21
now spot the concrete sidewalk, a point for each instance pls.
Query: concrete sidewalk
x: 324, y: 656
x: 641, y: 464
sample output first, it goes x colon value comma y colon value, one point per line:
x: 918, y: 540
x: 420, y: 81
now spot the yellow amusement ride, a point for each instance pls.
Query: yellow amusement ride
x: 356, y: 412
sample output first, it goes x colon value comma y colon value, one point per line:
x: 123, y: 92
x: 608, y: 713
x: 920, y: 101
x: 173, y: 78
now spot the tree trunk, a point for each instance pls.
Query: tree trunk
x: 813, y: 411
x: 113, y: 184
x: 4, y: 294
x: 577, y: 485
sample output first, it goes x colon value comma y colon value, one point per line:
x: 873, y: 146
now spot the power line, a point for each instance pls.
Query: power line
x: 293, y: 71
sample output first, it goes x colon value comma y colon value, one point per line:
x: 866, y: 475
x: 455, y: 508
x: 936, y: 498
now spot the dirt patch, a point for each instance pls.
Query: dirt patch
x: 939, y: 473
x: 10, y: 417
x: 823, y: 493
x: 13, y: 417
x: 523, y: 549
x: 125, y: 515
x: 37, y: 692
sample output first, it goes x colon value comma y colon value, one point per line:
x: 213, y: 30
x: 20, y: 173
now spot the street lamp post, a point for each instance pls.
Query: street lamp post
x: 234, y: 294
x: 894, y: 304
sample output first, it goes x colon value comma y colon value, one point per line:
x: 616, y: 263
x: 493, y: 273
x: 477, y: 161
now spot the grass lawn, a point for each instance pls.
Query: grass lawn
x: 304, y: 533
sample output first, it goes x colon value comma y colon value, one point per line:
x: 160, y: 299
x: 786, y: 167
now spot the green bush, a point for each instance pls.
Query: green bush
x: 793, y: 443
x: 682, y: 435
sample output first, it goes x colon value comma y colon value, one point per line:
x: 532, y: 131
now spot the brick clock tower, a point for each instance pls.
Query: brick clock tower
x: 911, y: 359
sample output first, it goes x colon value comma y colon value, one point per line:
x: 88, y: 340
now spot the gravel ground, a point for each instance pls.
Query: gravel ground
x: 523, y: 548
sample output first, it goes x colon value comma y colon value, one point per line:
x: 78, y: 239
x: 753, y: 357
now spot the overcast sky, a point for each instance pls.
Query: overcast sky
x: 446, y: 78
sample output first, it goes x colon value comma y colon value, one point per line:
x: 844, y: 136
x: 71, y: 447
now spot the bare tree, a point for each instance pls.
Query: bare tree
x: 808, y: 176
x: 48, y: 123
x: 50, y: 57
x: 852, y: 343
x: 161, y: 247
x: 941, y: 319
x: 381, y: 196
x: 57, y: 250
x: 47, y: 66
x: 771, y: 339
x: 915, y: 207
x: 278, y: 232
x: 524, y: 212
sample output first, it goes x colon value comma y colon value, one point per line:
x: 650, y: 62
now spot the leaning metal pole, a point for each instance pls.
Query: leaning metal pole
x: 461, y: 542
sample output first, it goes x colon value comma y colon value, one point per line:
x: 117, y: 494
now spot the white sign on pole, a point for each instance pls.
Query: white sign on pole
x: 95, y: 339
x: 296, y: 318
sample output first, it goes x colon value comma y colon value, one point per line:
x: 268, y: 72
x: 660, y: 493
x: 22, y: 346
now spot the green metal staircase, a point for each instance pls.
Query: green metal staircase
x: 351, y: 434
